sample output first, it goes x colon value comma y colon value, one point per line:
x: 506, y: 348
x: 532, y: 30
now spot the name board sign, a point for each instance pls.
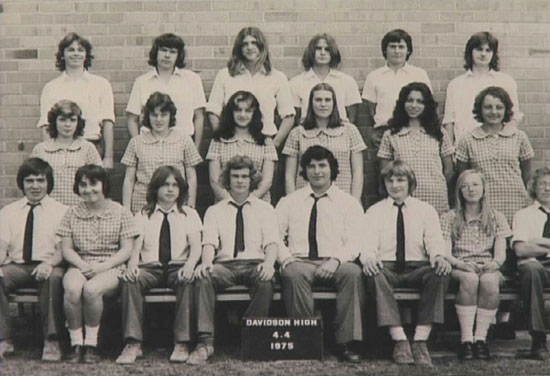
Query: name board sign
x: 273, y: 338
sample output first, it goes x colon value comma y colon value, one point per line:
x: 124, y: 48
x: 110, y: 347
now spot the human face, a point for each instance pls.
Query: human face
x: 322, y: 54
x: 74, y: 55
x: 397, y: 187
x: 542, y: 190
x: 239, y: 181
x: 482, y: 56
x: 492, y: 110
x: 168, y: 193
x: 414, y: 105
x: 35, y: 187
x: 66, y: 125
x: 318, y: 174
x: 166, y: 58
x: 242, y: 115
x: 322, y: 104
x: 159, y: 120
x: 250, y: 49
x: 397, y: 52
x: 472, y: 188
x: 91, y: 192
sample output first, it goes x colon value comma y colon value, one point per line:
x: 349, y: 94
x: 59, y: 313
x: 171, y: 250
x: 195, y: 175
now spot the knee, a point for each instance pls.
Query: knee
x: 73, y: 294
x: 92, y: 292
x: 292, y: 274
x: 531, y: 270
x: 350, y: 272
x: 490, y: 284
x: 469, y: 282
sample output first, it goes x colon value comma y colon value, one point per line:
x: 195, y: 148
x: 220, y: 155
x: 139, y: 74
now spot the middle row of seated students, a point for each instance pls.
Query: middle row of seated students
x: 320, y: 234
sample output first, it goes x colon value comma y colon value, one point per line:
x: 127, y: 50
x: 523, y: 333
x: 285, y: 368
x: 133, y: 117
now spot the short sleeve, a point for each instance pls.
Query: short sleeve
x: 356, y: 141
x: 447, y: 147
x: 270, y: 153
x: 462, y: 150
x: 107, y: 101
x: 38, y: 150
x: 525, y: 149
x: 386, y: 150
x: 92, y: 156
x: 214, y: 152
x: 369, y: 89
x: 352, y: 91
x: 128, y: 228
x: 65, y: 229
x: 295, y: 85
x: 292, y: 144
x: 130, y: 158
x: 502, y: 228
x: 285, y: 104
x: 216, y: 99
x: 270, y: 227
x: 45, y: 105
x: 134, y: 105
x: 449, y: 116
x: 199, y: 99
x: 193, y: 222
x: 447, y: 221
x: 521, y: 226
x: 5, y: 230
x: 210, y: 233
x: 191, y: 156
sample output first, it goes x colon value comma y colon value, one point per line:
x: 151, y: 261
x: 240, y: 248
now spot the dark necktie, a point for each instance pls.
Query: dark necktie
x: 165, y: 241
x: 28, y: 239
x: 400, y: 236
x: 312, y: 231
x: 239, y: 230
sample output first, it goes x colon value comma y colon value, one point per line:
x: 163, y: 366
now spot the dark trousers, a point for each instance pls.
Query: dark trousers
x: 224, y: 275
x: 417, y: 274
x: 298, y: 279
x: 132, y: 296
x: 534, y: 277
x: 50, y: 297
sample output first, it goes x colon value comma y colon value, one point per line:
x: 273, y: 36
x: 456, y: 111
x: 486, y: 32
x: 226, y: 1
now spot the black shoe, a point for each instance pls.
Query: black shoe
x: 504, y: 330
x: 539, y: 351
x: 481, y: 351
x: 466, y: 351
x: 74, y: 355
x: 90, y: 355
x: 347, y: 354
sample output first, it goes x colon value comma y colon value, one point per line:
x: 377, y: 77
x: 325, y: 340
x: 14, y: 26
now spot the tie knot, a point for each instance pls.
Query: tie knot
x: 35, y: 205
x: 317, y: 198
x: 399, y: 206
x: 165, y: 214
x: 239, y: 207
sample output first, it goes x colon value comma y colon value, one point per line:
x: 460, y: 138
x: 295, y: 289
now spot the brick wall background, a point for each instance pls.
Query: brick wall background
x: 121, y: 33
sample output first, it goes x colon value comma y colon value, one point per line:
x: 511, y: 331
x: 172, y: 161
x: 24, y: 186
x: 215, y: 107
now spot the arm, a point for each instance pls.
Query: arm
x: 461, y: 166
x: 526, y: 167
x: 267, y: 179
x: 532, y: 248
x: 448, y: 168
x: 267, y: 267
x: 70, y: 255
x: 284, y: 129
x: 121, y: 256
x: 450, y: 128
x: 128, y: 187
x: 371, y: 112
x: 191, y: 175
x: 3, y: 252
x: 357, y: 175
x: 383, y: 162
x: 198, y: 122
x: 298, y: 116
x: 186, y: 273
x: 108, y: 137
x: 132, y: 122
x: 351, y: 112
x: 207, y: 259
x: 214, y: 121
x: 291, y: 167
x: 214, y: 170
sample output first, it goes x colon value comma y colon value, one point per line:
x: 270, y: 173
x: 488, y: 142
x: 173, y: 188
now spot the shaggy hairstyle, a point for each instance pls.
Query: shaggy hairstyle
x: 488, y: 221
x: 66, y: 108
x: 35, y: 166
x: 428, y: 118
x: 319, y: 153
x: 226, y: 130
x: 93, y: 173
x: 308, y: 59
x: 171, y: 41
x: 66, y: 42
x: 158, y: 99
x: 397, y: 168
x: 477, y: 40
x: 236, y: 163
x: 334, y: 119
x: 532, y: 183
x: 395, y: 36
x: 236, y: 61
x: 158, y: 179
x: 496, y: 92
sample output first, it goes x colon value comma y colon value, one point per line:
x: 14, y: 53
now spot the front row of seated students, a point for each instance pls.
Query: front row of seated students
x: 399, y: 243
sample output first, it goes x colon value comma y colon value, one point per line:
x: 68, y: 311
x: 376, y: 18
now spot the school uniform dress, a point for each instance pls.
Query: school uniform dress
x: 271, y: 90
x: 345, y: 88
x: 498, y: 157
x: 29, y: 232
x: 224, y: 149
x: 236, y: 263
x: 159, y: 266
x: 146, y: 153
x: 184, y: 88
x: 65, y: 161
x: 423, y: 153
x: 421, y: 242
x: 534, y: 273
x: 316, y: 230
x: 342, y: 141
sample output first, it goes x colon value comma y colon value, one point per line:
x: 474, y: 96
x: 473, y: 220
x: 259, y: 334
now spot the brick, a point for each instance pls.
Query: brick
x: 19, y: 7
x: 8, y: 18
x: 211, y: 40
x: 92, y: 7
x: 22, y: 54
x: 125, y: 6
x: 438, y: 28
x: 249, y: 16
x: 282, y: 16
x: 71, y: 18
x: 211, y: 16
x: 9, y: 66
x: 106, y: 18
x: 154, y: 6
x: 192, y: 6
x: 125, y: 29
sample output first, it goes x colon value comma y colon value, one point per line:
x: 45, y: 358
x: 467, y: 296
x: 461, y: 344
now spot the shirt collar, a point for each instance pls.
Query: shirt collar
x: 84, y: 76
x: 537, y: 205
x: 330, y: 193
x: 241, y: 69
x: 81, y: 211
x: 407, y: 202
x: 406, y: 130
x: 148, y: 137
x: 312, y: 133
x: 246, y: 138
x: 24, y: 202
x: 406, y: 68
x: 491, y: 73
x: 52, y: 146
x: 232, y: 202
x: 507, y: 131
x: 171, y: 210
x: 310, y: 74
x: 154, y: 74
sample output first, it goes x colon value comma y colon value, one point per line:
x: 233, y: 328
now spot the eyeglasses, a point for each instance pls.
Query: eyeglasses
x: 543, y: 184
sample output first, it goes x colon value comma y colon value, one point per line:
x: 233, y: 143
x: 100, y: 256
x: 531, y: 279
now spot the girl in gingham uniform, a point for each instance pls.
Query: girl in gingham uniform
x: 476, y: 239
x: 240, y: 133
x: 97, y: 239
x: 323, y: 126
x: 66, y: 151
x: 499, y: 150
x: 154, y: 147
x: 417, y: 138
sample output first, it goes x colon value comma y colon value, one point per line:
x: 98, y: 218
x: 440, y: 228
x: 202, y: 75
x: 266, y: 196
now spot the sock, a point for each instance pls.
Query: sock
x: 484, y: 319
x: 397, y: 333
x: 76, y: 337
x: 422, y: 332
x: 466, y: 317
x: 206, y: 338
x: 91, y: 335
x: 503, y: 317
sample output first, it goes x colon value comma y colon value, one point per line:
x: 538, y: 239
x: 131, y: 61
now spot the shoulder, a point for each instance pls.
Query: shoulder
x: 298, y: 79
x: 223, y: 74
x: 448, y: 217
x: 376, y: 72
x: 499, y: 217
x: 377, y: 208
x: 11, y: 207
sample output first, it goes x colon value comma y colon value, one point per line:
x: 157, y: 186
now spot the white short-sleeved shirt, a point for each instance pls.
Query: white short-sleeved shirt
x: 13, y: 219
x: 461, y: 94
x: 92, y: 93
x: 182, y: 224
x: 184, y: 88
x: 382, y: 86
x: 271, y: 90
x: 345, y: 88
x: 528, y: 224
